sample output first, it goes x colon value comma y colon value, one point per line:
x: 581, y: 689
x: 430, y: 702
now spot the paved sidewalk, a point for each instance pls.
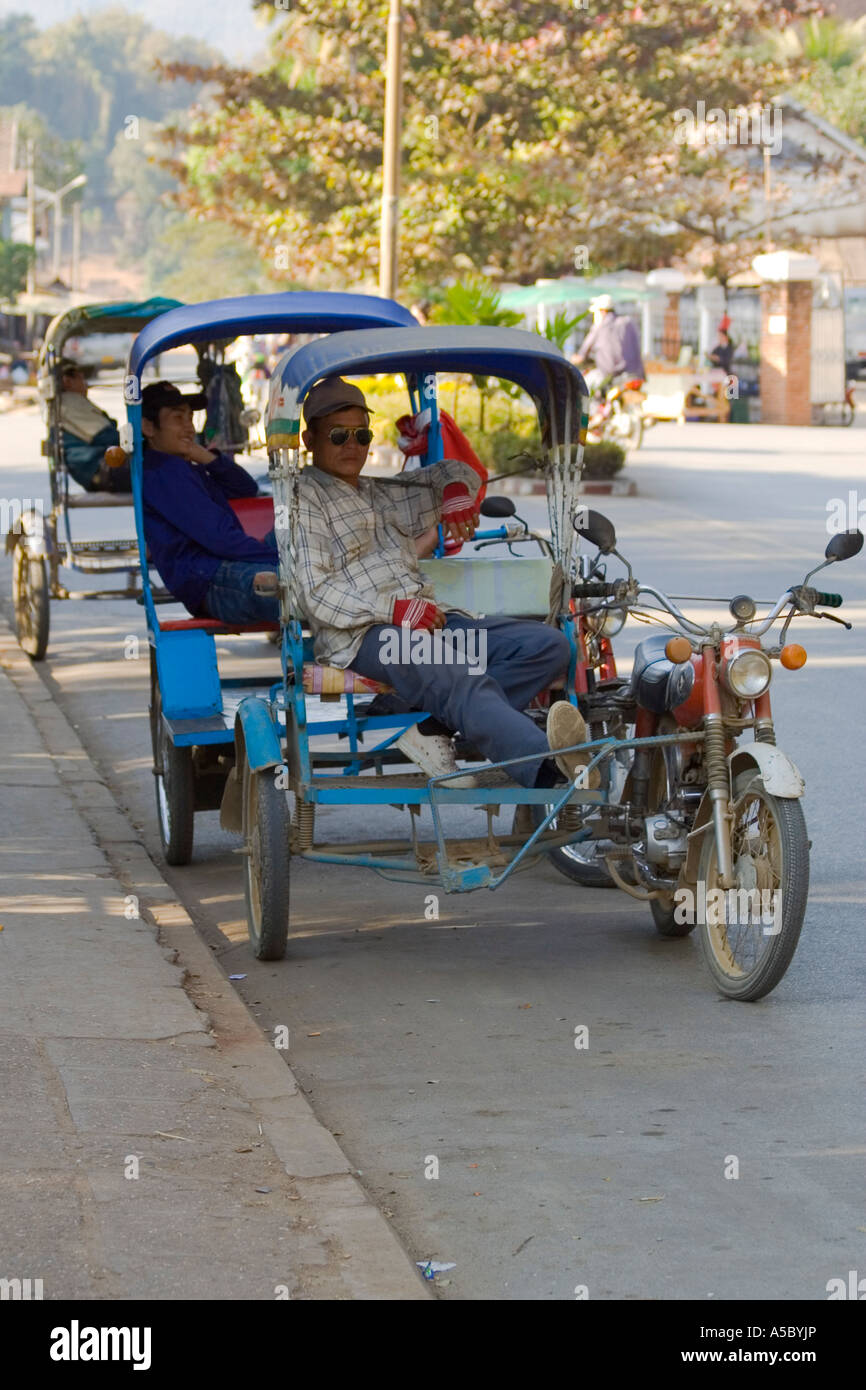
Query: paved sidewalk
x: 153, y: 1143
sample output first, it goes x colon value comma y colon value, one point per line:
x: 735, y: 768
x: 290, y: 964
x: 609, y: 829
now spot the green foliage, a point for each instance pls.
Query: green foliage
x: 828, y: 40
x: 15, y: 257
x: 833, y: 84
x: 603, y: 460
x: 474, y: 301
x: 508, y: 448
x: 530, y: 127
x: 560, y: 327
x: 83, y: 79
x: 194, y: 261
x: 56, y: 159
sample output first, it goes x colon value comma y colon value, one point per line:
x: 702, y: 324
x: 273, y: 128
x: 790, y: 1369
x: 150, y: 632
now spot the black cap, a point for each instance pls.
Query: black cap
x: 165, y: 393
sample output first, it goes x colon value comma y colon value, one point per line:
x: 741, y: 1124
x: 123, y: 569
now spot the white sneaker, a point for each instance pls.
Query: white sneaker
x: 434, y: 754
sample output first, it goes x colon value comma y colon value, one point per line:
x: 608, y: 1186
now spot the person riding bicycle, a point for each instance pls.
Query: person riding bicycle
x: 614, y: 345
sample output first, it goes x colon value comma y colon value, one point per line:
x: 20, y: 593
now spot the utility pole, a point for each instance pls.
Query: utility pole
x: 31, y: 215
x: 768, y: 228
x: 389, y: 231
x: 75, y: 276
x: 30, y: 317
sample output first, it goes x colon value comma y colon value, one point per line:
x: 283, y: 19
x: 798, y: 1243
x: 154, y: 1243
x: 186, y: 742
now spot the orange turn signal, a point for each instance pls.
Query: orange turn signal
x: 793, y: 656
x: 678, y: 649
x: 115, y: 457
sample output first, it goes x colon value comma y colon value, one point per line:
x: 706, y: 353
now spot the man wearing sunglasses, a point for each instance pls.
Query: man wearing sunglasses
x: 357, y: 565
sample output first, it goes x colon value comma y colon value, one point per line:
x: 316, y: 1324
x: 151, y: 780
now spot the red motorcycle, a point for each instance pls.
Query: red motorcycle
x: 700, y: 822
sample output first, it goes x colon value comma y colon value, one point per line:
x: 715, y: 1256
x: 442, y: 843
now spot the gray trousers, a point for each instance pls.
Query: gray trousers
x: 523, y: 656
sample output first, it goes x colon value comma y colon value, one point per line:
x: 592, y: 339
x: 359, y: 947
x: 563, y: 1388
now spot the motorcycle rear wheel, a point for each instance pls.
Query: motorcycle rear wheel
x: 582, y: 862
x: 771, y: 855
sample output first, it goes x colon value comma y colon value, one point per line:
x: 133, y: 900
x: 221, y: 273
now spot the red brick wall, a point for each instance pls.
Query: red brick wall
x: 670, y: 344
x: 786, y: 359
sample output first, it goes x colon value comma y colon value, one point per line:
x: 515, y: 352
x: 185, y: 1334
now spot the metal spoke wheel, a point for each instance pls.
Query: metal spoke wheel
x: 30, y: 599
x: 751, y: 932
x: 266, y: 823
x: 582, y: 862
x: 174, y: 782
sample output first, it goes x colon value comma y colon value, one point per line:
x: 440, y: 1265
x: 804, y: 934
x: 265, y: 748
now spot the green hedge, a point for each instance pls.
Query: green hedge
x: 603, y: 460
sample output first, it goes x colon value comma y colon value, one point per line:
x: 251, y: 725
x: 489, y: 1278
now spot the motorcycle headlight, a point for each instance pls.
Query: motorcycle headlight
x: 748, y: 674
x: 607, y: 623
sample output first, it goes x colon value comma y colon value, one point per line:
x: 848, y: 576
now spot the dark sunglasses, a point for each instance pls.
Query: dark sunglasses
x: 339, y: 435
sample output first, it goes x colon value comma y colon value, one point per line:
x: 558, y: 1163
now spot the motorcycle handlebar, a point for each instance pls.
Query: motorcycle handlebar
x: 827, y: 600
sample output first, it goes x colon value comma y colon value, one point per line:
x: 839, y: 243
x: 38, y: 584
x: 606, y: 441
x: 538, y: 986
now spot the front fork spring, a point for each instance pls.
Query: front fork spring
x: 714, y: 755
x: 716, y: 767
x: 304, y: 823
x: 765, y: 732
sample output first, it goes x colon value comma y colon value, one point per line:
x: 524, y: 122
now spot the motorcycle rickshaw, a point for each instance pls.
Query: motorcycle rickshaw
x: 192, y: 710
x: 41, y: 545
x: 695, y: 819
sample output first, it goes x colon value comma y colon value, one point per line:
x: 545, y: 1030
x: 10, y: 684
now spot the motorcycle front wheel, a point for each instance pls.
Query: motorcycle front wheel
x: 749, y: 934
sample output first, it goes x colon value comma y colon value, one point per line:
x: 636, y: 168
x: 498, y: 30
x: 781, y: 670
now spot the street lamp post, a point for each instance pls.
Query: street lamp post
x: 388, y: 237
x: 57, y: 200
x: 31, y: 217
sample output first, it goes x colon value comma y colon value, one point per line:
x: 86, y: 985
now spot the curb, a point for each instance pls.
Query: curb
x: 593, y: 487
x: 375, y: 1266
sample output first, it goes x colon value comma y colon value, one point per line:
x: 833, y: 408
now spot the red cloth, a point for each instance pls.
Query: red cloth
x: 415, y: 612
x: 455, y: 445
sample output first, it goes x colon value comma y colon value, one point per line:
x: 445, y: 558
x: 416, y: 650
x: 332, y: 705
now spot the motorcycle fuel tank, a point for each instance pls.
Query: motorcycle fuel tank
x: 660, y: 684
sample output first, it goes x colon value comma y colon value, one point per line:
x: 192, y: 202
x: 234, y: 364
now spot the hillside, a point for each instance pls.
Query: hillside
x: 230, y: 26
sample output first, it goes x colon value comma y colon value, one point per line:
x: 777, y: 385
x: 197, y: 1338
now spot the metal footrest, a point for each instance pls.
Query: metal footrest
x: 99, y: 499
x: 126, y: 547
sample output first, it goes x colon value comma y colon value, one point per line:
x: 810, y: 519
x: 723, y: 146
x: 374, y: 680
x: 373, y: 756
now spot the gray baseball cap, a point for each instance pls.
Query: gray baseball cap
x: 332, y: 394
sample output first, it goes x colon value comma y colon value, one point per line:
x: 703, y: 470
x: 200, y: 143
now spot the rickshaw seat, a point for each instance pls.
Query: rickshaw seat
x: 503, y: 586
x: 255, y: 514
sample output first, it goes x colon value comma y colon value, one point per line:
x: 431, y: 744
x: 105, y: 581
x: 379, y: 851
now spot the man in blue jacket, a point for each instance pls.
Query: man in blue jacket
x: 195, y: 540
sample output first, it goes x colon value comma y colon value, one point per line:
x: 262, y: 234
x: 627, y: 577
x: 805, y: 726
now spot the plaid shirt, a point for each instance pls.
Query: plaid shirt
x: 356, y: 551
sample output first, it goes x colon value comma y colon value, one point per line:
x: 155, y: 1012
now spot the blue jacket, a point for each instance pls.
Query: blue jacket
x: 188, y: 523
x: 82, y: 459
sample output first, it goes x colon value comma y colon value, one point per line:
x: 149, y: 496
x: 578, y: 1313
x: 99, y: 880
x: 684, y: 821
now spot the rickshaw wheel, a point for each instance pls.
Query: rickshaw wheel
x: 30, y: 598
x: 266, y: 864
x: 174, y: 782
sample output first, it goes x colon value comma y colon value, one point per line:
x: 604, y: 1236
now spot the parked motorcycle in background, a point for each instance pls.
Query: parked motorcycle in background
x: 617, y: 414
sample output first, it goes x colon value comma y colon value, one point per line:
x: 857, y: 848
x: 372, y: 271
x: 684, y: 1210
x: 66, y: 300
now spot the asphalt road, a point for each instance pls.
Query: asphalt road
x: 453, y: 1039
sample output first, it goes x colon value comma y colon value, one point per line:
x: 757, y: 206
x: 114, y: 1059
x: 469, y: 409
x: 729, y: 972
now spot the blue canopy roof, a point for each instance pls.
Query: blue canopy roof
x: 301, y: 311
x: 121, y: 316
x: 533, y: 362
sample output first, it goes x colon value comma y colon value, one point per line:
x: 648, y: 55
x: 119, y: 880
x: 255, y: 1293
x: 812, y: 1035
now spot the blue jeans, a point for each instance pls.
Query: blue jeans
x: 523, y: 657
x: 231, y: 598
